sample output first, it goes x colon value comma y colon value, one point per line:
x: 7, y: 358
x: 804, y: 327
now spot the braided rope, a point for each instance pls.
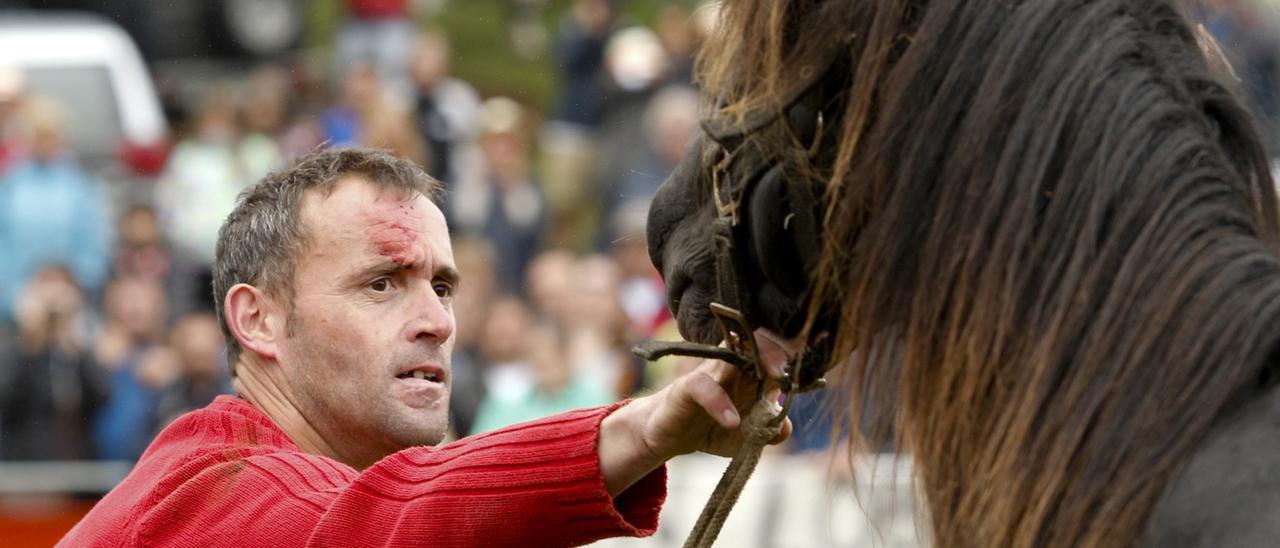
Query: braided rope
x: 762, y: 424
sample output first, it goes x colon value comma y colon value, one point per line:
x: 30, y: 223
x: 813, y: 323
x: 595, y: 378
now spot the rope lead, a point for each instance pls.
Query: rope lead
x: 762, y: 424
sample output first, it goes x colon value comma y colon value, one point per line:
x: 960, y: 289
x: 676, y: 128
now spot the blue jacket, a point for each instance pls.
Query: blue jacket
x: 51, y: 213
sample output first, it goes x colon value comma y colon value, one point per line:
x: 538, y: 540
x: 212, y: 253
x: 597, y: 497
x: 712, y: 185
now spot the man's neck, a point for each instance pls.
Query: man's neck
x: 260, y: 389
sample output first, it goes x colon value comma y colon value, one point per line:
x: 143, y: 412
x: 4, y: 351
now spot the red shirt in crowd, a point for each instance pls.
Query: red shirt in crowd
x: 378, y: 9
x: 226, y: 475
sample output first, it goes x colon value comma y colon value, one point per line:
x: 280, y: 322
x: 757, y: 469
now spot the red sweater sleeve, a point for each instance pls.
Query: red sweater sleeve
x: 533, y: 484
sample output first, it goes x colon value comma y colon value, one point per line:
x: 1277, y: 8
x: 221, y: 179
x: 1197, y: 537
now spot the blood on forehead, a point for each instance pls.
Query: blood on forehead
x: 394, y: 230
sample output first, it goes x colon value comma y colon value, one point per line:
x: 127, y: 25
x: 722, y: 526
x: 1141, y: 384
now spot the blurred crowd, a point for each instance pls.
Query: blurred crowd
x: 106, y: 324
x: 107, y: 329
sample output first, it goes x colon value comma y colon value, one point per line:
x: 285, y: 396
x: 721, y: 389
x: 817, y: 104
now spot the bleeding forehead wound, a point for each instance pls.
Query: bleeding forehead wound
x: 394, y: 234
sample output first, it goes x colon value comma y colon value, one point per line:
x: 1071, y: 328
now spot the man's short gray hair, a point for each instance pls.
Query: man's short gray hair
x: 263, y: 237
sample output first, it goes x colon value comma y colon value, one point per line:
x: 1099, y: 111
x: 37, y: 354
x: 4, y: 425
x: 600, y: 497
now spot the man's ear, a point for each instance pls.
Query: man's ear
x: 251, y: 317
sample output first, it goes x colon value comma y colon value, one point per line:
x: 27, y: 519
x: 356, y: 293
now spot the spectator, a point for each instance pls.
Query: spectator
x: 549, y: 282
x: 48, y: 198
x: 641, y: 292
x: 205, y: 173
x: 379, y: 33
x: 388, y: 125
x: 670, y: 122
x: 678, y: 31
x: 567, y: 141
x: 556, y: 387
x: 599, y: 339
x: 49, y: 386
x: 525, y: 32
x: 367, y: 115
x: 343, y: 122
x: 12, y: 87
x: 506, y: 374
x: 141, y: 252
x: 263, y: 110
x: 197, y: 343
x: 637, y: 68
x: 131, y: 349
x: 308, y: 98
x: 447, y: 112
x: 583, y: 35
x: 144, y: 253
x: 508, y: 209
x: 475, y: 260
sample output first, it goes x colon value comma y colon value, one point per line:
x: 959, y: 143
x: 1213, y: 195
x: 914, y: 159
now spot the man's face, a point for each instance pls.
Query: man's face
x: 372, y: 315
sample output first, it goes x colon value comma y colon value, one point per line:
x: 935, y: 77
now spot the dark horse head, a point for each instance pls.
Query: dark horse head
x: 736, y: 173
x: 1046, y: 227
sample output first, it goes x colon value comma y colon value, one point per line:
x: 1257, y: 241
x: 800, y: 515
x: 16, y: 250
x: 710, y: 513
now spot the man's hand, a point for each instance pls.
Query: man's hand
x: 700, y: 411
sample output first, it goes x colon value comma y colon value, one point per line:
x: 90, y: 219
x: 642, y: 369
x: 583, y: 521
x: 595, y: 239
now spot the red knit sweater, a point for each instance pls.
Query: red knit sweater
x: 226, y: 475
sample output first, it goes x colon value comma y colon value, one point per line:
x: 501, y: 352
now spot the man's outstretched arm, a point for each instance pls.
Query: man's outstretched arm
x: 700, y: 411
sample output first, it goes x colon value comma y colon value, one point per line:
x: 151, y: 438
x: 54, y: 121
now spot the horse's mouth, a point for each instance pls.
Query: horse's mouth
x: 691, y: 305
x: 696, y: 328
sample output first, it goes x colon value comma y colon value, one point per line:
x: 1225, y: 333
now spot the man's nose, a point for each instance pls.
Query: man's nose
x: 432, y: 319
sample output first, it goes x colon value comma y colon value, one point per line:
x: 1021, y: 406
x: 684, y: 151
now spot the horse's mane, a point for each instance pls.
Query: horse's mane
x: 1052, y: 239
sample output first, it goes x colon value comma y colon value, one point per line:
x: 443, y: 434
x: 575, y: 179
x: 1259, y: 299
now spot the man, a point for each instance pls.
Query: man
x: 52, y: 211
x: 446, y: 110
x: 335, y: 281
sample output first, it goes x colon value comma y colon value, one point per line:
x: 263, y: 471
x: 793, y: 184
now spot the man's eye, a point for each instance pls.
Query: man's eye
x: 380, y: 285
x: 443, y: 289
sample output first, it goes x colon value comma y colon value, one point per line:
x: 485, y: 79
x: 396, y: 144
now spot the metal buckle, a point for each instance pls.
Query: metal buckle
x: 739, y: 338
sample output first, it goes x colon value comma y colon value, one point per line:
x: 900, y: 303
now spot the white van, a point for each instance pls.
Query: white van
x: 90, y: 65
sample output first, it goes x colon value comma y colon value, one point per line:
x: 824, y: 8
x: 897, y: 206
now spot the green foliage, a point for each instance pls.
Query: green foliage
x: 483, y: 56
x: 482, y: 50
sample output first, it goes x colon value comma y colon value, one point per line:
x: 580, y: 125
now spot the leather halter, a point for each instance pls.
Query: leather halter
x: 738, y: 163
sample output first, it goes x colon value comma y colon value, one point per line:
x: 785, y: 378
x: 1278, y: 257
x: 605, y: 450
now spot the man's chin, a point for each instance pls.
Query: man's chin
x: 417, y: 430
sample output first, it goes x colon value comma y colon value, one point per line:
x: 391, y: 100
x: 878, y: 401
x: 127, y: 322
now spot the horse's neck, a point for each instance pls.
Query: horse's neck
x: 1228, y: 494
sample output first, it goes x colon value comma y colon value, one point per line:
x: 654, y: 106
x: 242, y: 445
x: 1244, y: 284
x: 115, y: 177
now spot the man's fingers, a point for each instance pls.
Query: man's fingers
x: 782, y: 434
x: 708, y: 394
x: 721, y: 372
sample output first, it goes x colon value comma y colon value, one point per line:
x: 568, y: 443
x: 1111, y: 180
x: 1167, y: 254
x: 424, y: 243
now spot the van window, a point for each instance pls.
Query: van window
x: 93, y: 124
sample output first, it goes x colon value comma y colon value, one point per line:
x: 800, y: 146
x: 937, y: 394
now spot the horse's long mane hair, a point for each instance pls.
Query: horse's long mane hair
x: 1051, y: 238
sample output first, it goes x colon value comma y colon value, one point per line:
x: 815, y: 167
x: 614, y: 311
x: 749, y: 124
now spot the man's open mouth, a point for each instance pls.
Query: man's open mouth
x: 422, y: 374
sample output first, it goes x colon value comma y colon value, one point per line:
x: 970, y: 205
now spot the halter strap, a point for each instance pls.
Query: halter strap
x: 746, y: 161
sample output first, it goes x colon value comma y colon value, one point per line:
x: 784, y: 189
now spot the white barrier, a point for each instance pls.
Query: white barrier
x: 58, y: 477
x: 791, y: 502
